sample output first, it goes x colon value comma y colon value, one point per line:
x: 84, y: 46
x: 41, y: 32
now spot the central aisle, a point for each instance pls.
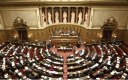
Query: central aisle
x: 65, y: 59
x: 65, y: 76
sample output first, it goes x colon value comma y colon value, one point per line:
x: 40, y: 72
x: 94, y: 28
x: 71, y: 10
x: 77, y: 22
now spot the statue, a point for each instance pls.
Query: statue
x: 80, y: 18
x: 43, y: 17
x: 64, y: 17
x: 56, y: 17
x: 18, y: 19
x: 49, y: 18
x: 72, y: 17
x: 86, y: 18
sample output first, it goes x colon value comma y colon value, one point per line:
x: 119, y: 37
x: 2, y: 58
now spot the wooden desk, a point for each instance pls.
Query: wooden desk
x: 65, y: 50
x: 64, y: 39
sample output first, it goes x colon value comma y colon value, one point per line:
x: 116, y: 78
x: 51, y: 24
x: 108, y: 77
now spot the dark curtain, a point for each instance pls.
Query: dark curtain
x: 107, y: 35
x: 23, y: 36
x: 20, y: 35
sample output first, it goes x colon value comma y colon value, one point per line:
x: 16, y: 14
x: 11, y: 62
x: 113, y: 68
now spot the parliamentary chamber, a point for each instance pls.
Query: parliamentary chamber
x: 42, y: 17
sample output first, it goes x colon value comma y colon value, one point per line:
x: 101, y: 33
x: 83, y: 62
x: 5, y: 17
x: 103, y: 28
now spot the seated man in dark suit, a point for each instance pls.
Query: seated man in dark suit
x: 16, y: 75
x: 113, y: 58
x: 101, y: 74
x: 96, y: 58
x: 2, y: 55
x: 7, y: 48
x: 119, y: 73
x: 19, y: 66
x: 28, y: 71
x: 105, y: 55
x: 20, y: 48
x: 113, y: 64
x: 70, y: 76
x: 50, y: 75
x: 31, y: 76
x: 85, y: 72
x: 26, y: 61
x: 11, y: 72
x: 122, y: 68
x: 8, y: 62
x: 85, y: 52
x: 120, y: 45
x: 109, y: 70
x: 121, y: 59
x: 100, y: 66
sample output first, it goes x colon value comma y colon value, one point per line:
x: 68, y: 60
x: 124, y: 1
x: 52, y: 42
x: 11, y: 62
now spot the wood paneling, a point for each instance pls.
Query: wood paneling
x: 43, y: 34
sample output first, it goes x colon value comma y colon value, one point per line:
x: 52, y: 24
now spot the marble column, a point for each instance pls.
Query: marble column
x: 41, y: 21
x: 46, y: 15
x: 60, y: 14
x: 83, y: 14
x: 76, y: 14
x: 69, y: 14
x: 89, y: 12
x: 52, y: 14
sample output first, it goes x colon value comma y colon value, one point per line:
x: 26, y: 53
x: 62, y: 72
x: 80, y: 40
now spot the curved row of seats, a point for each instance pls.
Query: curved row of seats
x: 99, y: 62
x: 23, y: 62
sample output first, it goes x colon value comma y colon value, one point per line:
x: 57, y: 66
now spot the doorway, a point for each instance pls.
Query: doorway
x: 23, y: 36
x: 107, y: 35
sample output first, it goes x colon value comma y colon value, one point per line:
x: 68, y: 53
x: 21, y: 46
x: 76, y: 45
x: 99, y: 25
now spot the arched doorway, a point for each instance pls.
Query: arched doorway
x: 21, y: 28
x: 108, y: 28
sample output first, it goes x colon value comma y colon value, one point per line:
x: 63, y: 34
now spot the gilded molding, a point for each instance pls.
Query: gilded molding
x: 63, y: 4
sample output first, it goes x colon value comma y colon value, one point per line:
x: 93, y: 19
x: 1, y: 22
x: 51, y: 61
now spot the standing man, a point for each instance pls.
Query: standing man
x: 74, y: 50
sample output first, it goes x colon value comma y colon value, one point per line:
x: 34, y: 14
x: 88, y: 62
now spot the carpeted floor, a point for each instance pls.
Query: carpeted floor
x: 65, y: 57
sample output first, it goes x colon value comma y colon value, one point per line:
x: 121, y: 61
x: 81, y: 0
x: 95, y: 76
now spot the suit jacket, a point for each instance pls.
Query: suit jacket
x: 119, y: 74
x: 105, y: 55
x: 28, y: 71
x: 9, y: 63
x: 121, y: 69
x: 90, y: 70
x: 113, y: 57
x: 2, y: 55
x: 101, y: 74
x: 10, y: 72
x: 19, y: 66
x: 109, y: 70
x: 26, y: 62
x: 100, y: 66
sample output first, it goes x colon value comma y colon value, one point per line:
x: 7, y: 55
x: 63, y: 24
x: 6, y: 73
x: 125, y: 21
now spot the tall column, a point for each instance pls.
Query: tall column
x: 60, y: 14
x: 76, y: 14
x: 52, y: 14
x: 83, y: 14
x: 41, y: 21
x: 46, y: 15
x: 69, y: 14
x: 89, y: 12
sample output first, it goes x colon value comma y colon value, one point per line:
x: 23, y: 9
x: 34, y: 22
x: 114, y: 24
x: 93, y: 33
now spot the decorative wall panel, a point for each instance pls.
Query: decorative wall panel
x: 101, y: 15
x: 29, y: 16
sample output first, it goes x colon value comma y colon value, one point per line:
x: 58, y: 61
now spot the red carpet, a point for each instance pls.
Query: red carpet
x: 65, y: 76
x: 65, y: 58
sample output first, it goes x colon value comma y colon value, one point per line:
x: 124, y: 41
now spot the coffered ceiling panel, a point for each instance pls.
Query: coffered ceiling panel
x: 101, y: 15
x: 29, y: 16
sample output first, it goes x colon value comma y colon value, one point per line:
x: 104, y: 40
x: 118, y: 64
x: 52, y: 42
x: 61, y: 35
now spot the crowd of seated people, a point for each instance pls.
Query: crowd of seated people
x: 16, y: 62
x: 70, y: 32
x: 93, y: 64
